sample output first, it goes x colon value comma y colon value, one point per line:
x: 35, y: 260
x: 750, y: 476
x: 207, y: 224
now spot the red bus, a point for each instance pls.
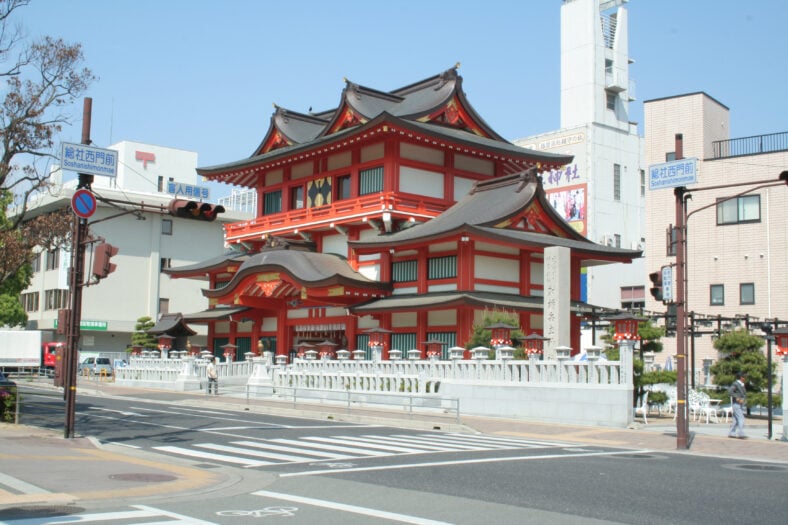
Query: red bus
x: 49, y: 351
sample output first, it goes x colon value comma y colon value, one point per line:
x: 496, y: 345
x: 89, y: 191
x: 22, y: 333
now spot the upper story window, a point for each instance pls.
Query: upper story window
x: 717, y: 295
x: 370, y: 181
x: 29, y: 301
x: 617, y: 182
x: 166, y: 226
x: 404, y: 271
x: 36, y: 263
x: 747, y: 293
x: 746, y: 208
x: 610, y: 100
x: 296, y: 197
x: 343, y: 187
x: 272, y: 202
x: 53, y: 259
x: 642, y: 183
x: 442, y: 267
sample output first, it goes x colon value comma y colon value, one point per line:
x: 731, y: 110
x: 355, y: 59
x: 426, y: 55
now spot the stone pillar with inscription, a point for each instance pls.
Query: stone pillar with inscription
x: 557, y: 287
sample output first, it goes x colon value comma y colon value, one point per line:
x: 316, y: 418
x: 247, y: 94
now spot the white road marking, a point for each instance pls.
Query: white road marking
x: 316, y: 453
x: 343, y: 507
x: 21, y: 486
x: 288, y: 458
x: 456, y: 462
x: 216, y: 457
x: 142, y: 512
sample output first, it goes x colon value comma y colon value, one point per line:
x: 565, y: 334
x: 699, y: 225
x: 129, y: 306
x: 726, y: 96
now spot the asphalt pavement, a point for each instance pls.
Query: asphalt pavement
x: 41, y: 467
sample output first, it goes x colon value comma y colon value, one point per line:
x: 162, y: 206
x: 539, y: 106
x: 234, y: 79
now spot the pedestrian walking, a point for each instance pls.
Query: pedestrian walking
x: 213, y: 376
x: 738, y: 402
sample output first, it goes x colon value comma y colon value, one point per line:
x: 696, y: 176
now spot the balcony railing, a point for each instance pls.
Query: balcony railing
x: 338, y: 212
x: 739, y: 147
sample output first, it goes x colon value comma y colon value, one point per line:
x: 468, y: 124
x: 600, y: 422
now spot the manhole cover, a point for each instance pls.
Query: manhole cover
x: 147, y: 478
x: 760, y: 468
x: 38, y: 512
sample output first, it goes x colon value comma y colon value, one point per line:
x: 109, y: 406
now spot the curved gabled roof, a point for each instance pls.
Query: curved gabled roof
x: 290, y: 127
x: 242, y: 172
x: 305, y: 268
x: 203, y: 268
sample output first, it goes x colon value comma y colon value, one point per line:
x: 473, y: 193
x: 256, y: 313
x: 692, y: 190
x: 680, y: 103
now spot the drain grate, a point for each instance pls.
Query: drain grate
x: 636, y: 456
x: 147, y: 478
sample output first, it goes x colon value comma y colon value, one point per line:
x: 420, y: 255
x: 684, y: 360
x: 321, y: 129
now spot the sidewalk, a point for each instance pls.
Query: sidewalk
x: 40, y: 467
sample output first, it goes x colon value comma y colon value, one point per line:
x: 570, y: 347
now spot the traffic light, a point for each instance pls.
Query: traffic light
x: 102, y: 254
x: 656, y: 285
x: 201, y: 211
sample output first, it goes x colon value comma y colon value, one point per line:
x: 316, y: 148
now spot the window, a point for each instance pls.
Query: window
x: 717, y: 295
x: 164, y: 305
x: 370, y: 181
x: 343, y: 187
x: 36, y: 263
x: 296, y: 197
x: 53, y: 259
x: 608, y: 66
x: 404, y: 271
x: 633, y: 297
x: 617, y: 182
x: 611, y: 100
x: 160, y: 184
x: 670, y: 156
x: 166, y: 226
x: 746, y: 208
x: 747, y: 293
x: 272, y: 202
x: 55, y: 299
x: 29, y: 301
x: 164, y: 263
x: 442, y: 267
x: 617, y: 240
x: 642, y: 183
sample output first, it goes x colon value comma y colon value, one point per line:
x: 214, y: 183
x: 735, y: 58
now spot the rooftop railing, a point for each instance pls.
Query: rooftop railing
x: 754, y: 145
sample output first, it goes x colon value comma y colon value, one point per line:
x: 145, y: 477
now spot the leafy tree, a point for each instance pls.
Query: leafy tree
x: 741, y: 353
x: 42, y: 79
x: 141, y: 337
x: 481, y: 335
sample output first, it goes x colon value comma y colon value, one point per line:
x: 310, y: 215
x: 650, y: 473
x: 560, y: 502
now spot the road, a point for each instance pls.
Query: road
x: 310, y: 471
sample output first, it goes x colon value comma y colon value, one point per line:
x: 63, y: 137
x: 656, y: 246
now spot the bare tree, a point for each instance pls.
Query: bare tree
x: 43, y: 79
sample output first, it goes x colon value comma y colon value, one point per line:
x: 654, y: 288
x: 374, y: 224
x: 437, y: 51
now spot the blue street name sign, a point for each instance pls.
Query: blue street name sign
x: 89, y: 160
x: 673, y: 174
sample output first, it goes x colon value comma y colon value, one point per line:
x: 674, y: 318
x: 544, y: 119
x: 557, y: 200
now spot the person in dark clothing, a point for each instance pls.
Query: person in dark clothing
x: 738, y: 402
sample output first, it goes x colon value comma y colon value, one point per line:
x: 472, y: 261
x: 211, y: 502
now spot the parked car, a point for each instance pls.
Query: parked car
x: 95, y: 365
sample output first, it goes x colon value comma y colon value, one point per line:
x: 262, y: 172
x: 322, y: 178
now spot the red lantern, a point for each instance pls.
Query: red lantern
x: 781, y: 336
x: 534, y: 343
x: 377, y: 336
x: 626, y: 326
x: 500, y: 334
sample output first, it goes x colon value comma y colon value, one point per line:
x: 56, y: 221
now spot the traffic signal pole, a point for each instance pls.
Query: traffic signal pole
x: 79, y: 237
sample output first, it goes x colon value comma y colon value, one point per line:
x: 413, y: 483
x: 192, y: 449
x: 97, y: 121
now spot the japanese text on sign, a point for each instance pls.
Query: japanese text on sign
x: 87, y: 159
x: 187, y: 190
x: 673, y: 174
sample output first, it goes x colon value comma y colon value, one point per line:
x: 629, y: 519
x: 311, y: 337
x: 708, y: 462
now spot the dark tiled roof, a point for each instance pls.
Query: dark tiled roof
x: 172, y: 325
x: 206, y: 266
x: 220, y: 312
x: 306, y: 268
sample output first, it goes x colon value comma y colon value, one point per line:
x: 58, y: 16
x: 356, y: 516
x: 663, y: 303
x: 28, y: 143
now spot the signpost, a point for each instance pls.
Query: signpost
x: 83, y: 203
x: 89, y: 160
x: 667, y: 284
x: 673, y: 174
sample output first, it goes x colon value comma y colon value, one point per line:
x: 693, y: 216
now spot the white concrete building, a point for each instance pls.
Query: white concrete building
x: 147, y: 241
x: 737, y: 250
x: 602, y: 194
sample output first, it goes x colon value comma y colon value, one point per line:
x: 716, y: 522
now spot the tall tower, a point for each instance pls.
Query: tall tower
x: 602, y: 194
x: 595, y: 84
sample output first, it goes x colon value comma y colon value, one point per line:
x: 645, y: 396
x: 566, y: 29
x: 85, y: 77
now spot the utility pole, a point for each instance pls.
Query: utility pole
x: 682, y: 422
x: 79, y: 236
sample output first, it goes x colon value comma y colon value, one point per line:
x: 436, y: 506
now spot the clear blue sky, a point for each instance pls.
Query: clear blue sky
x: 202, y: 75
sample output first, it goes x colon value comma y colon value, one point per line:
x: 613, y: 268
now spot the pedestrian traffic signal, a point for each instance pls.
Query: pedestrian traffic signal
x: 656, y: 285
x: 102, y: 254
x: 201, y: 211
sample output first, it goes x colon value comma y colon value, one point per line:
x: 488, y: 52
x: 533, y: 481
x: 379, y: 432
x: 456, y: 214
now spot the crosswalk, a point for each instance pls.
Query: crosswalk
x: 309, y: 449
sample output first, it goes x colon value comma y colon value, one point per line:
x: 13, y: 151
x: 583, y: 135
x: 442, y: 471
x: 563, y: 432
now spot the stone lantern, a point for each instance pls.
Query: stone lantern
x: 534, y: 345
x: 326, y: 350
x: 377, y: 341
x: 434, y: 350
x: 781, y: 338
x: 165, y: 343
x: 302, y: 347
x: 228, y: 351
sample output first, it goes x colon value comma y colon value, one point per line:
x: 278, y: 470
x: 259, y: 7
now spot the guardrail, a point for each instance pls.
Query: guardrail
x: 356, y: 400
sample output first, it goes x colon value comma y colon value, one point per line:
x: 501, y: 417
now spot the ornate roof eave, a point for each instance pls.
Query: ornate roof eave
x: 225, y: 262
x: 243, y: 172
x: 279, y: 133
x: 251, y: 269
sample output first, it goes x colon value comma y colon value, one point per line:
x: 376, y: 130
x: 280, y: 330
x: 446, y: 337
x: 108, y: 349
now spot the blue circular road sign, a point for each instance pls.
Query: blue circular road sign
x: 83, y: 203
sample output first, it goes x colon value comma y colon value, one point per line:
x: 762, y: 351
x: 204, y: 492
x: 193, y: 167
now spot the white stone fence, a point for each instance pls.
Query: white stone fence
x: 180, y: 374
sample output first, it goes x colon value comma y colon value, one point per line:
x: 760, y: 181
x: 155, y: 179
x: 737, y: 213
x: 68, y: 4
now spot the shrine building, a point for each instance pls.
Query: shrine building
x: 401, y: 213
